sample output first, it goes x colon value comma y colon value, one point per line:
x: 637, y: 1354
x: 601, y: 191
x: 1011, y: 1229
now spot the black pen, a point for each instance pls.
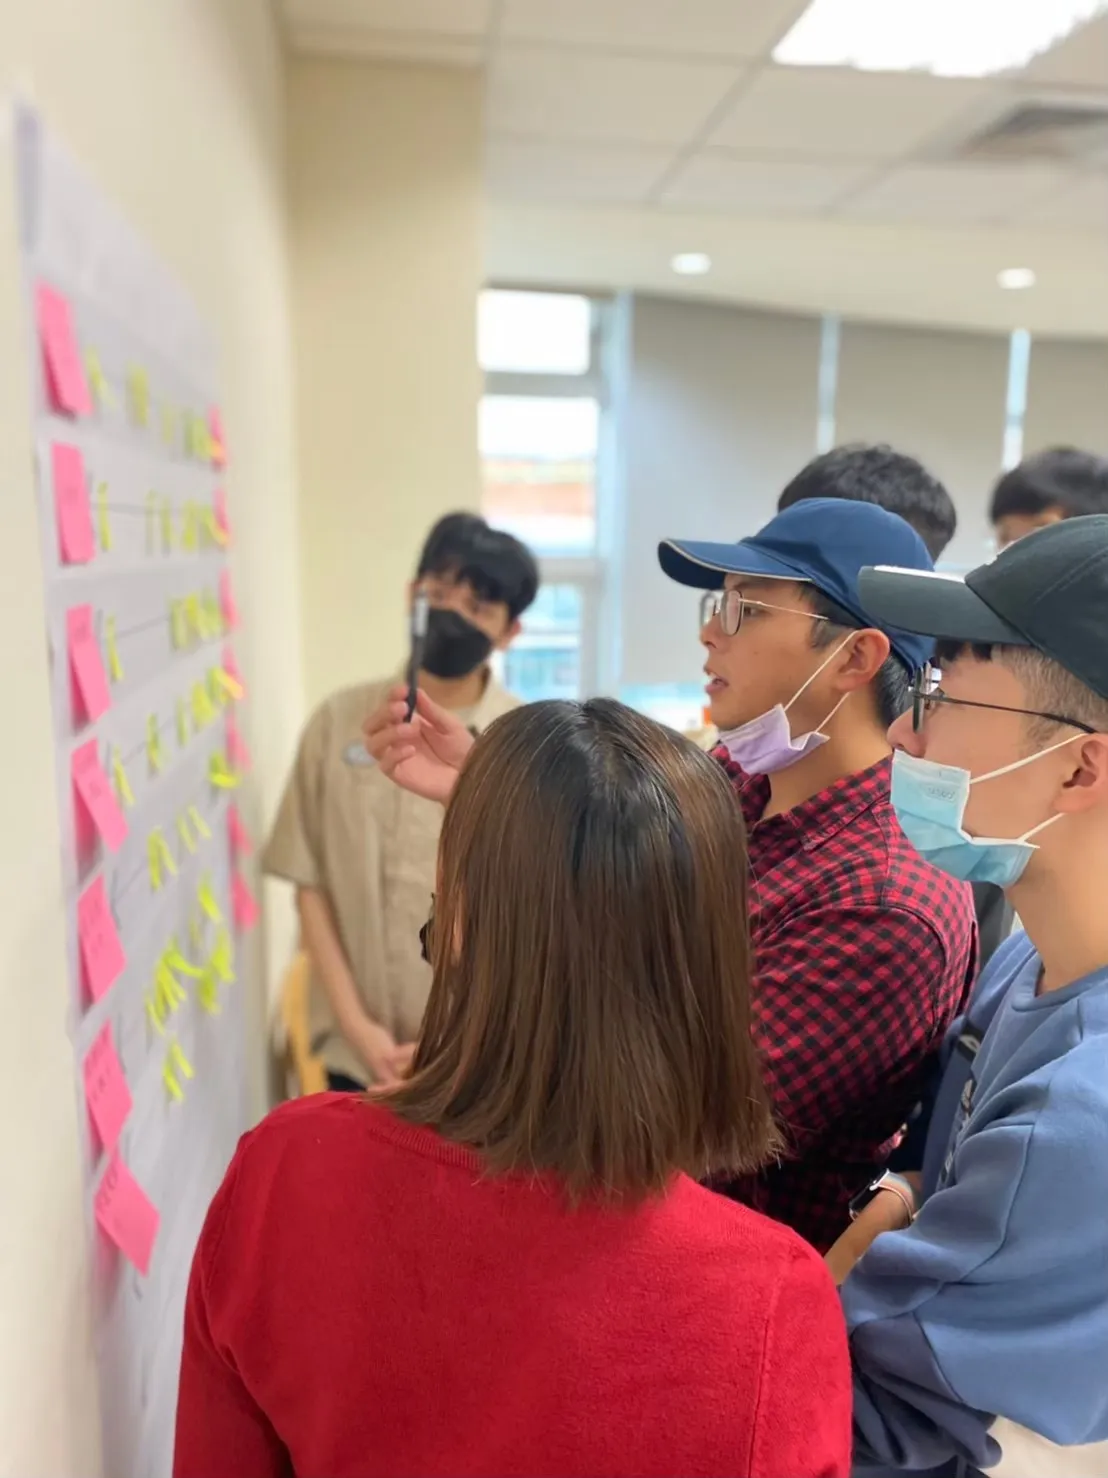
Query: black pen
x: 418, y: 635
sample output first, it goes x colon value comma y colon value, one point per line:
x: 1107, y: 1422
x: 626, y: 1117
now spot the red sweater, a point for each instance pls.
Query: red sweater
x: 365, y: 1302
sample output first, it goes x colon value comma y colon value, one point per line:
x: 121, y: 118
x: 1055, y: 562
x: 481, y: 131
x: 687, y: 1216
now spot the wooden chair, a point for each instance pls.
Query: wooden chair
x: 304, y: 1072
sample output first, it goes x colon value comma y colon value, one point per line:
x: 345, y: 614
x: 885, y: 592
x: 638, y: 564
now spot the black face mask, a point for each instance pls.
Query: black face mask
x: 453, y: 647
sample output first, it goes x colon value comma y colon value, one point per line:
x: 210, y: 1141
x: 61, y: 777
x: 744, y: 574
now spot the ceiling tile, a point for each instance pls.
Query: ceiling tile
x: 1080, y: 61
x: 445, y: 17
x: 575, y: 95
x: 1080, y: 206
x: 714, y: 180
x: 952, y: 195
x: 717, y: 28
x: 524, y: 169
x: 833, y: 113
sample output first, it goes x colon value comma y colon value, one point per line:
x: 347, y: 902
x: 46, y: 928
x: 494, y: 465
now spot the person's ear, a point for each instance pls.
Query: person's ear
x: 860, y: 660
x: 511, y: 632
x: 1086, y: 783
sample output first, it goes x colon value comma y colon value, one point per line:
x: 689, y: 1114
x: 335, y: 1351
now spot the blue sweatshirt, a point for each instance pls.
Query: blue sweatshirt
x: 995, y: 1302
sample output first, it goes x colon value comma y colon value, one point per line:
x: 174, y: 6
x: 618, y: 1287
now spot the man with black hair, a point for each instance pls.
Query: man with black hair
x: 980, y: 1289
x: 1060, y: 482
x: 879, y: 474
x: 901, y: 484
x: 361, y: 853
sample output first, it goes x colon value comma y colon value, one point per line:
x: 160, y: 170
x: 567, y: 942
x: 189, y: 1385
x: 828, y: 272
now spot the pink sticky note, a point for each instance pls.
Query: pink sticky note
x: 231, y: 667
x: 222, y: 517
x: 243, y: 903
x: 96, y: 797
x: 219, y: 441
x: 86, y: 665
x: 237, y: 751
x: 106, y: 1091
x: 66, y: 384
x: 126, y: 1213
x: 71, y: 508
x: 227, y: 601
x: 101, y: 951
x: 241, y: 845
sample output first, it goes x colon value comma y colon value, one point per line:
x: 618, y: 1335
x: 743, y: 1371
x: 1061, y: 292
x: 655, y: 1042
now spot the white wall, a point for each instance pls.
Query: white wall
x: 177, y: 110
x: 385, y: 191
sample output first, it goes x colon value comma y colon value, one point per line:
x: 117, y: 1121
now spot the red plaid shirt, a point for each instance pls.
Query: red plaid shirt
x: 865, y: 953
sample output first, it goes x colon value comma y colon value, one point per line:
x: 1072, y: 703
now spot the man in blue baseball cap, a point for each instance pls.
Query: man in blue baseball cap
x: 865, y: 952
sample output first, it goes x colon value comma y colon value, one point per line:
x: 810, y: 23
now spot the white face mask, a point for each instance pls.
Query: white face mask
x: 930, y: 803
x: 766, y: 744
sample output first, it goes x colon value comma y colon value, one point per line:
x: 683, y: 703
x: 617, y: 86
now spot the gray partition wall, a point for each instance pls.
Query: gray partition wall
x: 938, y: 395
x: 1067, y: 396
x: 716, y: 411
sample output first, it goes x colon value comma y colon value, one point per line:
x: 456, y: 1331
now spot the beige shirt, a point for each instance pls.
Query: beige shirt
x: 345, y: 829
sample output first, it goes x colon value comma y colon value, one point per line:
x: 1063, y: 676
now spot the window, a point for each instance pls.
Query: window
x: 540, y: 433
x: 545, y: 659
x: 681, y: 706
x: 538, y: 457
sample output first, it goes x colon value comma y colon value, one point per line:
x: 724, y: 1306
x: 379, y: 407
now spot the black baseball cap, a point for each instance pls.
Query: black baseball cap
x: 1048, y: 591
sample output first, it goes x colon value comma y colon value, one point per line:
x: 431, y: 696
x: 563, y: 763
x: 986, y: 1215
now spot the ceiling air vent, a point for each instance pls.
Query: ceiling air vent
x: 1040, y: 132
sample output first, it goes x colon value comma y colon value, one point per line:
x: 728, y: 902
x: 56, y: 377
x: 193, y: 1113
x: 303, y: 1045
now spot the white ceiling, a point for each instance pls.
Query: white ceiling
x: 620, y: 132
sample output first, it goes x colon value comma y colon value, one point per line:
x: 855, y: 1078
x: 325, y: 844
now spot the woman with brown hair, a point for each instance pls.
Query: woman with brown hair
x: 505, y: 1265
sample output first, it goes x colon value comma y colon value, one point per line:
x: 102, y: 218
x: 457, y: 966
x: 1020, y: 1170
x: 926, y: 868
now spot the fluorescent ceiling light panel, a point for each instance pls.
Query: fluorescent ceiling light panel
x: 948, y: 38
x: 691, y: 263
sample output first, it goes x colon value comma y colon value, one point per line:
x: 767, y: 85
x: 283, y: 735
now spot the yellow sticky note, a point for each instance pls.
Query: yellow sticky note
x: 167, y: 525
x: 154, y: 745
x: 221, y: 775
x: 228, y: 684
x: 138, y: 395
x: 196, y: 930
x: 184, y: 831
x: 222, y: 958
x: 167, y: 855
x: 177, y: 1052
x: 98, y: 380
x: 103, y: 522
x: 170, y: 1081
x: 213, y: 615
x: 154, y: 861
x: 202, y: 710
x: 207, y: 994
x: 152, y: 1014
x: 206, y: 898
x: 176, y: 961
x: 202, y: 827
x: 189, y: 529
x: 115, y: 666
x: 182, y: 722
x: 165, y: 990
x: 122, y: 784
x: 219, y: 533
x: 192, y: 614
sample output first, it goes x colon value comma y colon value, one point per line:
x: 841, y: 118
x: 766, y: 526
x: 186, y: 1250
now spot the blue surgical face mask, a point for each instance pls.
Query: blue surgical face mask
x: 930, y: 803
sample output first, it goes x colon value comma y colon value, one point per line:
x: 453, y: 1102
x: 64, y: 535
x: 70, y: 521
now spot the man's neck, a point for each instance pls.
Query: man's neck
x: 456, y: 692
x: 1065, y: 916
x: 847, y: 753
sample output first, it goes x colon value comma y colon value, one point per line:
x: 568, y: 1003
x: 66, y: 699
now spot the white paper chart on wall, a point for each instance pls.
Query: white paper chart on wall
x: 140, y: 617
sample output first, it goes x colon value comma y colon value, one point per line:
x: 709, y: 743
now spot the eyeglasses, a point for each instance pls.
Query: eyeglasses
x: 926, y: 695
x: 731, y: 606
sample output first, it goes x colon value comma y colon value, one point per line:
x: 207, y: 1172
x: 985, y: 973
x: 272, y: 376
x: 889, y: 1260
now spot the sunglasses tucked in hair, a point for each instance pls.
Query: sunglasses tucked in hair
x: 589, y: 1015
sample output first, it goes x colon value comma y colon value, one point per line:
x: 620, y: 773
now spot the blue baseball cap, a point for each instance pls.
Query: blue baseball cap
x: 824, y: 542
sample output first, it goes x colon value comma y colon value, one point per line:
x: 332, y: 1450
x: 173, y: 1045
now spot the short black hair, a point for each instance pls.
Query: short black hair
x: 463, y: 547
x: 1061, y: 477
x: 1050, y: 686
x: 863, y: 473
x: 892, y: 681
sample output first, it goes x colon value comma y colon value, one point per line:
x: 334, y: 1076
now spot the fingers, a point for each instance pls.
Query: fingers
x: 434, y: 715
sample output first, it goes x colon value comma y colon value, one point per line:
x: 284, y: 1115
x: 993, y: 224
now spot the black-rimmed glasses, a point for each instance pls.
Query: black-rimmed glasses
x: 731, y: 605
x: 926, y: 695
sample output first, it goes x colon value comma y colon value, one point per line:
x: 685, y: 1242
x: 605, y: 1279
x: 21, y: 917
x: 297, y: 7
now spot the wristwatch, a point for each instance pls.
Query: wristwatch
x: 889, y: 1181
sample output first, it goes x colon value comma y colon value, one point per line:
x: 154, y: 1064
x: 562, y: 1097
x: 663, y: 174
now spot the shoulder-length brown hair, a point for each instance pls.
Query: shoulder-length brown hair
x: 589, y: 1014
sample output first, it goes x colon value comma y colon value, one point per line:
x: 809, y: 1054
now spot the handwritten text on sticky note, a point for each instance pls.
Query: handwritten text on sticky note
x: 96, y: 798
x: 86, y: 665
x: 243, y: 903
x: 76, y: 543
x: 67, y: 388
x: 101, y: 951
x: 106, y: 1091
x: 126, y: 1213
